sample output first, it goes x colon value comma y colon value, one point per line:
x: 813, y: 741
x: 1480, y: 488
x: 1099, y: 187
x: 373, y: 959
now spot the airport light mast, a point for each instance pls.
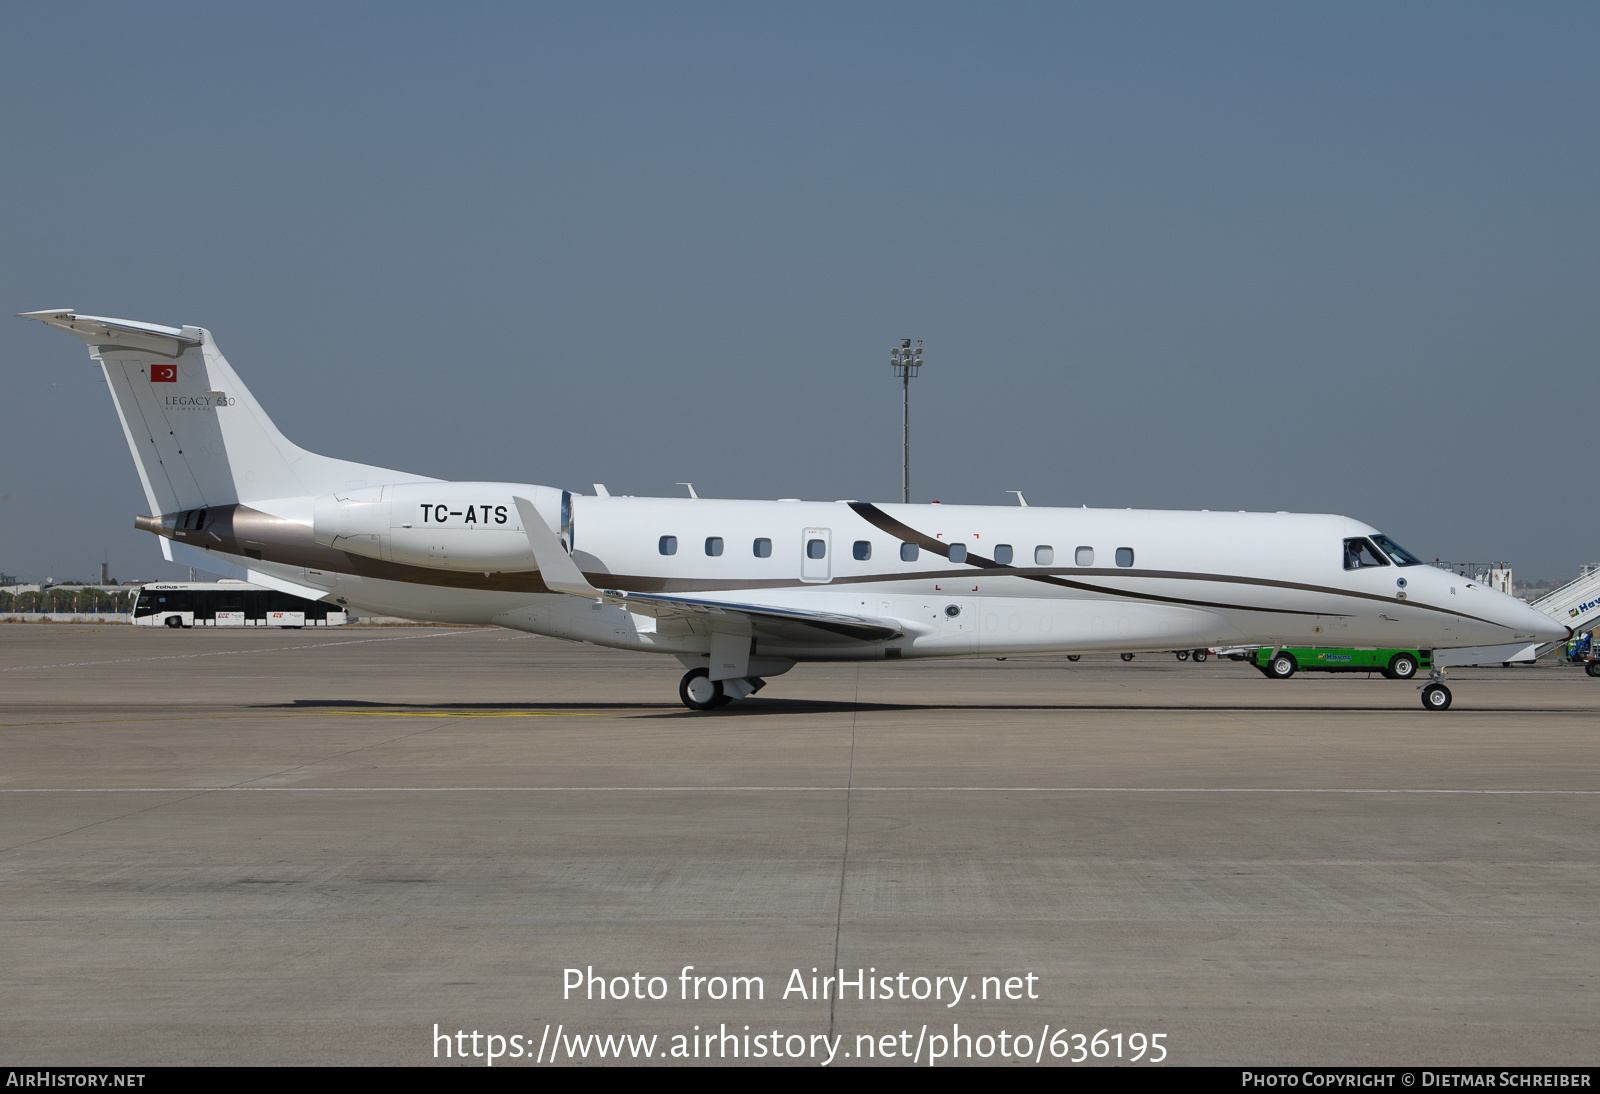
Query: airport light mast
x: 905, y: 361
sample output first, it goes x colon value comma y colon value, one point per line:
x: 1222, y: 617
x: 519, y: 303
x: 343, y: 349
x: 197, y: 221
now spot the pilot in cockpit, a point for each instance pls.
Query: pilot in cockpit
x: 1358, y: 553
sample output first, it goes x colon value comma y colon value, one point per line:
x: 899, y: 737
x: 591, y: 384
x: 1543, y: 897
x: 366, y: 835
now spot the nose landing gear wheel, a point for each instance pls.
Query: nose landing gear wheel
x: 699, y: 692
x: 1436, y: 697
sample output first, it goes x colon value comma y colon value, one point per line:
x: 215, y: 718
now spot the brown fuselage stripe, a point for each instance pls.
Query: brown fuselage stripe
x: 885, y: 523
x: 250, y: 535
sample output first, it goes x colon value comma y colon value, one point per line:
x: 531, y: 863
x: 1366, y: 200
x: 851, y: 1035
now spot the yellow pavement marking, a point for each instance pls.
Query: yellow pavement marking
x: 462, y: 713
x: 222, y: 717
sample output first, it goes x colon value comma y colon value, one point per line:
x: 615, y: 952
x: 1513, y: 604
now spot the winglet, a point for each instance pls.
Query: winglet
x: 556, y: 567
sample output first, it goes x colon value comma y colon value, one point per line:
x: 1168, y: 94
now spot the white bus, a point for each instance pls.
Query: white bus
x: 229, y: 604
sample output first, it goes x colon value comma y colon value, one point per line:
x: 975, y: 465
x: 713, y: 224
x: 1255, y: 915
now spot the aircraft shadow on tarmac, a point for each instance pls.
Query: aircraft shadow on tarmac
x: 758, y: 707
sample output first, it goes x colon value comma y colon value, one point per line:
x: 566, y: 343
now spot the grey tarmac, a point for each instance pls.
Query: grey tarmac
x: 310, y: 846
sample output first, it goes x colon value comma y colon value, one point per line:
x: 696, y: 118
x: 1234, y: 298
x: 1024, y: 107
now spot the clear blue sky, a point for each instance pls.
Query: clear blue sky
x: 1322, y: 258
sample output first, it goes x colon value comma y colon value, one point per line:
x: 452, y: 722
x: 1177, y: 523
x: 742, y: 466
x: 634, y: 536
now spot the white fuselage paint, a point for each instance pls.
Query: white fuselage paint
x: 1197, y: 579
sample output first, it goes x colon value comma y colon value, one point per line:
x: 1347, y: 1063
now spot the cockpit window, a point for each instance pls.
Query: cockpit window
x: 1360, y: 553
x: 1397, y: 554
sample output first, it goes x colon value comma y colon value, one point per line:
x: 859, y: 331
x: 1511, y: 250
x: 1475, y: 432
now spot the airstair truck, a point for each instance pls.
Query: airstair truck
x: 1577, y: 603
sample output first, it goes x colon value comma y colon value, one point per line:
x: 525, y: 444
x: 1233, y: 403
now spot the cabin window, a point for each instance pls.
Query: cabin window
x: 762, y: 548
x: 1044, y: 555
x: 713, y: 546
x: 908, y: 552
x: 1084, y: 556
x: 1359, y: 554
x: 668, y: 545
x: 1124, y: 556
x: 862, y: 550
x: 816, y: 548
x: 958, y: 552
x: 1003, y: 553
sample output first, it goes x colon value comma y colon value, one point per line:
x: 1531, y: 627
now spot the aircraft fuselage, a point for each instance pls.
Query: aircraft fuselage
x: 959, y: 580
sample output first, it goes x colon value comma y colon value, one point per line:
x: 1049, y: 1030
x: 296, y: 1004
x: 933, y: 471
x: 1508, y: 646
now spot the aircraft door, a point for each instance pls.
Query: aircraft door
x: 816, y: 551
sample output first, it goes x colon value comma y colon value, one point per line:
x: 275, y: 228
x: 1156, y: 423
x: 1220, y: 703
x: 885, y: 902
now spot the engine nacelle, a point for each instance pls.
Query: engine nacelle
x: 442, y: 525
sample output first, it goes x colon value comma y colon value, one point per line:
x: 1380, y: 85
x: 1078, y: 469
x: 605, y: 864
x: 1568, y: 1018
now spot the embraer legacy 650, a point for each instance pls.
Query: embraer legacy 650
x: 740, y: 591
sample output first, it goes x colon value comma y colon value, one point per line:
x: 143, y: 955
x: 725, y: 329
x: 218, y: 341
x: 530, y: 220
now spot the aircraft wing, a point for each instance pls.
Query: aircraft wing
x: 764, y: 621
x: 562, y: 575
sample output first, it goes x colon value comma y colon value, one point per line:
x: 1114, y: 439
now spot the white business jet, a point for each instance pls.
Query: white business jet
x: 741, y: 591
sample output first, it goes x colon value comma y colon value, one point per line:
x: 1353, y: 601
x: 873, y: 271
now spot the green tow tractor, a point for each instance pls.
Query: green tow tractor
x: 1284, y: 662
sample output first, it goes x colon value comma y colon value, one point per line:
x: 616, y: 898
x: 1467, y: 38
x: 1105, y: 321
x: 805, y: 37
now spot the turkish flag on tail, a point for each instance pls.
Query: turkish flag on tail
x: 163, y: 374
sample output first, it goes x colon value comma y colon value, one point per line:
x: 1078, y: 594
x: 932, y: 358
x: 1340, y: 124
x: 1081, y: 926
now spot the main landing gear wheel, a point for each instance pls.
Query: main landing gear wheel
x: 1200, y: 655
x: 1281, y: 667
x: 1402, y: 666
x: 1127, y: 657
x: 699, y: 692
x: 1436, y: 697
x: 1181, y: 655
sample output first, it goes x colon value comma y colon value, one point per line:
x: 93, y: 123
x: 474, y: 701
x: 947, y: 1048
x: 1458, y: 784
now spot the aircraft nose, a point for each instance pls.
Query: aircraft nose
x: 1542, y: 627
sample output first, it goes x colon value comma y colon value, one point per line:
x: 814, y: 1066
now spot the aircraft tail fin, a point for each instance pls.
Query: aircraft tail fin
x: 198, y: 436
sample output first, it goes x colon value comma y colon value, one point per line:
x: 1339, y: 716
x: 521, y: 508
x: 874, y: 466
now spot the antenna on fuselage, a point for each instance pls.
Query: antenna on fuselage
x: 1022, y: 501
x: 692, y: 494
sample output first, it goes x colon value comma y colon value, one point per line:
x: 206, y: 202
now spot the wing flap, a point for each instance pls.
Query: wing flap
x: 765, y: 620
